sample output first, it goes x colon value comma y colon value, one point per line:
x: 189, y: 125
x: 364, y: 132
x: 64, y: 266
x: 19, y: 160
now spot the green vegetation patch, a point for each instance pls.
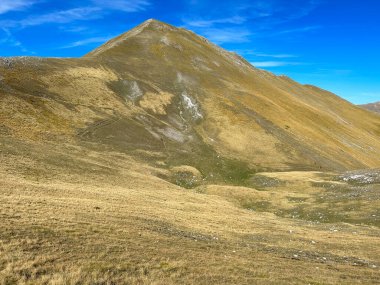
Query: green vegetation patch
x: 213, y: 167
x: 258, y: 206
x: 261, y: 182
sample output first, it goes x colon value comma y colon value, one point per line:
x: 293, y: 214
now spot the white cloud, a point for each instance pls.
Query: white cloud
x: 87, y: 42
x: 266, y: 14
x: 371, y: 96
x: 200, y: 23
x: 262, y: 54
x: 61, y: 17
x: 14, y: 5
x: 275, y: 55
x: 64, y: 16
x: 273, y: 63
x: 208, y: 28
x: 97, y: 11
x: 73, y: 29
x: 231, y: 35
x: 300, y: 30
x: 10, y: 40
x: 123, y: 5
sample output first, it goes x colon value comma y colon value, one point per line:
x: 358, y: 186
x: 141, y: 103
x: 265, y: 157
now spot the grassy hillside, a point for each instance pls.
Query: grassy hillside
x: 167, y: 90
x: 160, y: 158
x: 75, y: 215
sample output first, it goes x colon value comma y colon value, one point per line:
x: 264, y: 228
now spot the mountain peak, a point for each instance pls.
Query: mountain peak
x: 151, y: 24
x: 155, y: 25
x: 151, y: 20
x: 154, y: 38
x: 154, y: 22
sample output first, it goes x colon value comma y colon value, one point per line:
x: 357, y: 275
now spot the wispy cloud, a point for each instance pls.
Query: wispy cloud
x: 61, y: 17
x: 87, y: 42
x: 73, y: 29
x: 202, y: 23
x: 275, y: 55
x: 285, y: 11
x: 371, y: 96
x: 273, y: 63
x: 123, y: 5
x: 97, y: 10
x: 333, y: 71
x: 234, y: 35
x: 244, y: 19
x: 14, y: 5
x: 299, y: 30
x: 10, y: 40
x: 266, y: 14
x: 305, y: 9
x: 229, y: 31
x: 66, y: 19
x: 262, y: 54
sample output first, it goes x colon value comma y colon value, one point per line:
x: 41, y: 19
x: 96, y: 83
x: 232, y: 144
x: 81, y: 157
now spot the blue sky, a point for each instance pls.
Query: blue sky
x: 333, y: 44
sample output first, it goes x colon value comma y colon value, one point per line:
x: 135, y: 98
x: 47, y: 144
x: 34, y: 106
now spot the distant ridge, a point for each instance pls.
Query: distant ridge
x: 374, y: 107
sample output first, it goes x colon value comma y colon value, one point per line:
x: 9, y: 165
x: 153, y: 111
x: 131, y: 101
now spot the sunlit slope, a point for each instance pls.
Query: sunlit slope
x: 172, y: 93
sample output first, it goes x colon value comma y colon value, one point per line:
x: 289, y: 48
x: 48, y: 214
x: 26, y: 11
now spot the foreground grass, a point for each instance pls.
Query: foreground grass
x: 109, y: 220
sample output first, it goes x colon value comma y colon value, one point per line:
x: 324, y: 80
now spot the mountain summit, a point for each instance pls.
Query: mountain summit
x: 165, y: 90
x: 151, y: 24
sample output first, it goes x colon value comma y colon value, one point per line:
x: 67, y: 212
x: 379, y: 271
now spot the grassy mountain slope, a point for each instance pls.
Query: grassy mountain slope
x: 96, y: 154
x: 166, y: 89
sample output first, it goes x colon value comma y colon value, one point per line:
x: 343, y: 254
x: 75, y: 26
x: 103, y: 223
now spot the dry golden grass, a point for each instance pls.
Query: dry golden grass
x: 71, y: 215
x: 156, y: 102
